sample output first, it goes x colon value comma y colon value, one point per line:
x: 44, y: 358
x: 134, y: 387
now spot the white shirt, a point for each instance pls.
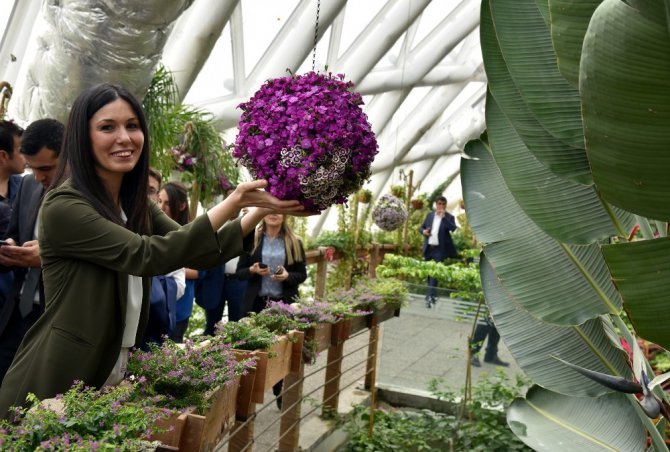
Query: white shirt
x: 433, y: 240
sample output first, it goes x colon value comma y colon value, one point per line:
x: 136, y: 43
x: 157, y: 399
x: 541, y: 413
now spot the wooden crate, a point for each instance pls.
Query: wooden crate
x: 274, y: 363
x: 321, y: 333
x: 188, y: 431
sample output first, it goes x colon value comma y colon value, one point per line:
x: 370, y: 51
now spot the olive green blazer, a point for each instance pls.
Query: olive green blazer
x: 86, y: 260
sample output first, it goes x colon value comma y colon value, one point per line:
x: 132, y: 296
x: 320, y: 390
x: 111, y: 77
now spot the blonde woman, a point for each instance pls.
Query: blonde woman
x: 275, y: 268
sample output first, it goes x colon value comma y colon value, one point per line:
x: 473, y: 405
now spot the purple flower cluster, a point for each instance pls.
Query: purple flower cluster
x: 185, y: 161
x: 389, y: 213
x: 308, y: 137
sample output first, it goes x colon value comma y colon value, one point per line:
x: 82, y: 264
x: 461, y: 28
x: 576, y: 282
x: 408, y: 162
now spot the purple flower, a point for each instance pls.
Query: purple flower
x: 389, y: 213
x: 311, y: 125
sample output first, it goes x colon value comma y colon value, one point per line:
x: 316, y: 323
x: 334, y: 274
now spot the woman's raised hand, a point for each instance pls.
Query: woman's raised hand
x: 251, y: 194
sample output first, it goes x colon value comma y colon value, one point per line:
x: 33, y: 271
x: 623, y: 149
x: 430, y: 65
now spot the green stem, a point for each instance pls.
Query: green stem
x: 617, y: 225
x: 611, y: 307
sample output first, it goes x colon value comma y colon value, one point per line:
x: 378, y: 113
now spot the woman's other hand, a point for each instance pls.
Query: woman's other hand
x: 256, y: 269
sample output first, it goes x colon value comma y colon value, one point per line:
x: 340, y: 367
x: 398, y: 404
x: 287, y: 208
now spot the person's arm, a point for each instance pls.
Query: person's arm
x: 450, y: 221
x: 250, y: 194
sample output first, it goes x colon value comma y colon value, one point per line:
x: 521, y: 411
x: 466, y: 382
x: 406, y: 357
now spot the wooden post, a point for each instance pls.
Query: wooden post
x: 242, y: 433
x: 331, y: 390
x: 374, y: 260
x: 371, y: 367
x: 410, y: 192
x: 289, y: 426
x: 321, y: 271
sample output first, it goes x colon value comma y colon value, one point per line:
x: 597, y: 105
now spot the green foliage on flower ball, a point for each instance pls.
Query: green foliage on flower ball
x: 183, y: 375
x: 83, y: 419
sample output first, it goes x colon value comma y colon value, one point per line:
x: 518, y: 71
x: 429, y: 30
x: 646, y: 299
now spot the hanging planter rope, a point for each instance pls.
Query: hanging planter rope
x: 308, y: 137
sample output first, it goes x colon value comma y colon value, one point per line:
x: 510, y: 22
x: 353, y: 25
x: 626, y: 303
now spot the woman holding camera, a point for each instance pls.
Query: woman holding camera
x: 276, y: 266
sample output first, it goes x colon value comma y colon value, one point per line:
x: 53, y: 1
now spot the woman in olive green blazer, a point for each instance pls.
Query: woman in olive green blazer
x: 96, y: 228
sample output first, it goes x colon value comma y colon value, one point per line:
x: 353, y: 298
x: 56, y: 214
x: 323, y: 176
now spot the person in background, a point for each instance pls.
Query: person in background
x: 40, y: 146
x: 217, y: 286
x: 12, y: 162
x: 12, y: 165
x: 274, y: 270
x: 155, y: 180
x: 101, y: 240
x: 437, y: 243
x: 173, y: 200
x: 486, y: 328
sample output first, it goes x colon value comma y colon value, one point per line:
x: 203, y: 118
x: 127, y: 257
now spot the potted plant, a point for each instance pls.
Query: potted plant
x: 364, y: 196
x: 398, y: 191
x: 389, y: 213
x: 417, y: 203
x: 83, y: 419
x: 324, y: 157
x: 200, y: 380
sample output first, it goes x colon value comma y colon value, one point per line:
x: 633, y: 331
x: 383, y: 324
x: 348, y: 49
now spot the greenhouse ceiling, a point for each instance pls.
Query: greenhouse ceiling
x: 417, y: 63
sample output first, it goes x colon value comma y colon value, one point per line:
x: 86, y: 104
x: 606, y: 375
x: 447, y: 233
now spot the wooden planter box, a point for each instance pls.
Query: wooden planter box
x: 188, y: 431
x: 386, y: 313
x: 274, y: 363
x: 322, y: 333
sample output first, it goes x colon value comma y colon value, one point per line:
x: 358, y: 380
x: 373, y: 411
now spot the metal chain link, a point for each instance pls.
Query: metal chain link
x: 316, y: 33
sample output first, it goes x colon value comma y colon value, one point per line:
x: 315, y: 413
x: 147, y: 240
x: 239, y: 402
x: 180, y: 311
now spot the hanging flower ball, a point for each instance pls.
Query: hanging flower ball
x: 389, y: 213
x: 308, y: 137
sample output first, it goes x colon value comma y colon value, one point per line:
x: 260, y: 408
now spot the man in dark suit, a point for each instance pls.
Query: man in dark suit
x: 40, y: 146
x: 437, y: 243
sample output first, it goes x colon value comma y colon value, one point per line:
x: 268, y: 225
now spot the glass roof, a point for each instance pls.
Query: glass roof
x: 417, y: 63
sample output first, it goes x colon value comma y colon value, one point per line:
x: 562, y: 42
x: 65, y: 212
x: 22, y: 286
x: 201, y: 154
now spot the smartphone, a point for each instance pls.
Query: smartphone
x: 279, y: 270
x: 262, y: 265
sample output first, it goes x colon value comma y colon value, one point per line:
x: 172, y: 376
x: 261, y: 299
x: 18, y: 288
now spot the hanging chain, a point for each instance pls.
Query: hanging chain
x: 316, y: 33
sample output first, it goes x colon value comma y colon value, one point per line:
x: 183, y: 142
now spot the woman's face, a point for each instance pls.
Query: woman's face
x: 164, y: 203
x: 274, y: 219
x: 116, y: 139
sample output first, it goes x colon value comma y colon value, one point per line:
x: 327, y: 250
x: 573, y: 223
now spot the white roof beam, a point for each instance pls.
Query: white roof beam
x: 429, y: 52
x: 16, y: 38
x: 193, y: 39
x: 378, y: 37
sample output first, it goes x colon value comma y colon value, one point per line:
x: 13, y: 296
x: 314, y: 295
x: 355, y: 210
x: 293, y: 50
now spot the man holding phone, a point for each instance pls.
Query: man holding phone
x: 437, y: 243
x: 20, y: 254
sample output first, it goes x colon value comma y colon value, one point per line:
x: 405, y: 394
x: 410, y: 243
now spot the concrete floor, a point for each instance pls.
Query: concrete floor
x: 416, y: 347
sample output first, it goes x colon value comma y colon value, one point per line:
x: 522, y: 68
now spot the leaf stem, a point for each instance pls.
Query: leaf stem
x: 617, y: 224
x: 656, y: 438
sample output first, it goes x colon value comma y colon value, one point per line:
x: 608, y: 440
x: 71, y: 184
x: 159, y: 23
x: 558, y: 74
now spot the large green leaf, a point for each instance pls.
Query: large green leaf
x: 525, y: 42
x: 641, y: 271
x: 553, y: 422
x: 534, y: 344
x: 567, y: 211
x: 625, y: 90
x: 561, y: 158
x: 538, y: 271
x: 569, y: 20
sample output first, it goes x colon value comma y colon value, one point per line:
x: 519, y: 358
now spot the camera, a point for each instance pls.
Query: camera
x: 261, y: 265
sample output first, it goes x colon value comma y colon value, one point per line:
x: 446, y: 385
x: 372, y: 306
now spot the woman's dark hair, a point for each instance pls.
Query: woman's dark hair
x: 178, y: 201
x: 78, y: 163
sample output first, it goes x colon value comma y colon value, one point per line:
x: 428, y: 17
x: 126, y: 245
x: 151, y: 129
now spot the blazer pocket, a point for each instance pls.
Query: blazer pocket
x: 69, y: 336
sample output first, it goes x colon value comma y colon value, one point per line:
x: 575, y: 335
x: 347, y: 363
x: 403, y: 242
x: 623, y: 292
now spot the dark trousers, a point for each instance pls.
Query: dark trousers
x: 11, y: 338
x: 433, y: 253
x: 481, y: 332
x: 179, y: 330
x: 233, y: 292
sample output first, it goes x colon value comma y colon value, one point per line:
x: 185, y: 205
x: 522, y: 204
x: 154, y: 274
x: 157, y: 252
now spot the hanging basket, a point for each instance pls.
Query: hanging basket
x: 364, y: 196
x: 308, y: 137
x: 389, y: 213
x: 417, y: 204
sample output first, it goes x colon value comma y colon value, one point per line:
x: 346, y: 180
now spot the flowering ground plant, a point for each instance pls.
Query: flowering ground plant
x: 243, y: 335
x: 83, y: 419
x: 308, y: 136
x: 180, y: 376
x: 389, y: 213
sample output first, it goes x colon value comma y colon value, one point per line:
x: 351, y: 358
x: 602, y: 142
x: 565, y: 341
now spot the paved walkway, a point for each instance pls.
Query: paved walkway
x: 419, y: 345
